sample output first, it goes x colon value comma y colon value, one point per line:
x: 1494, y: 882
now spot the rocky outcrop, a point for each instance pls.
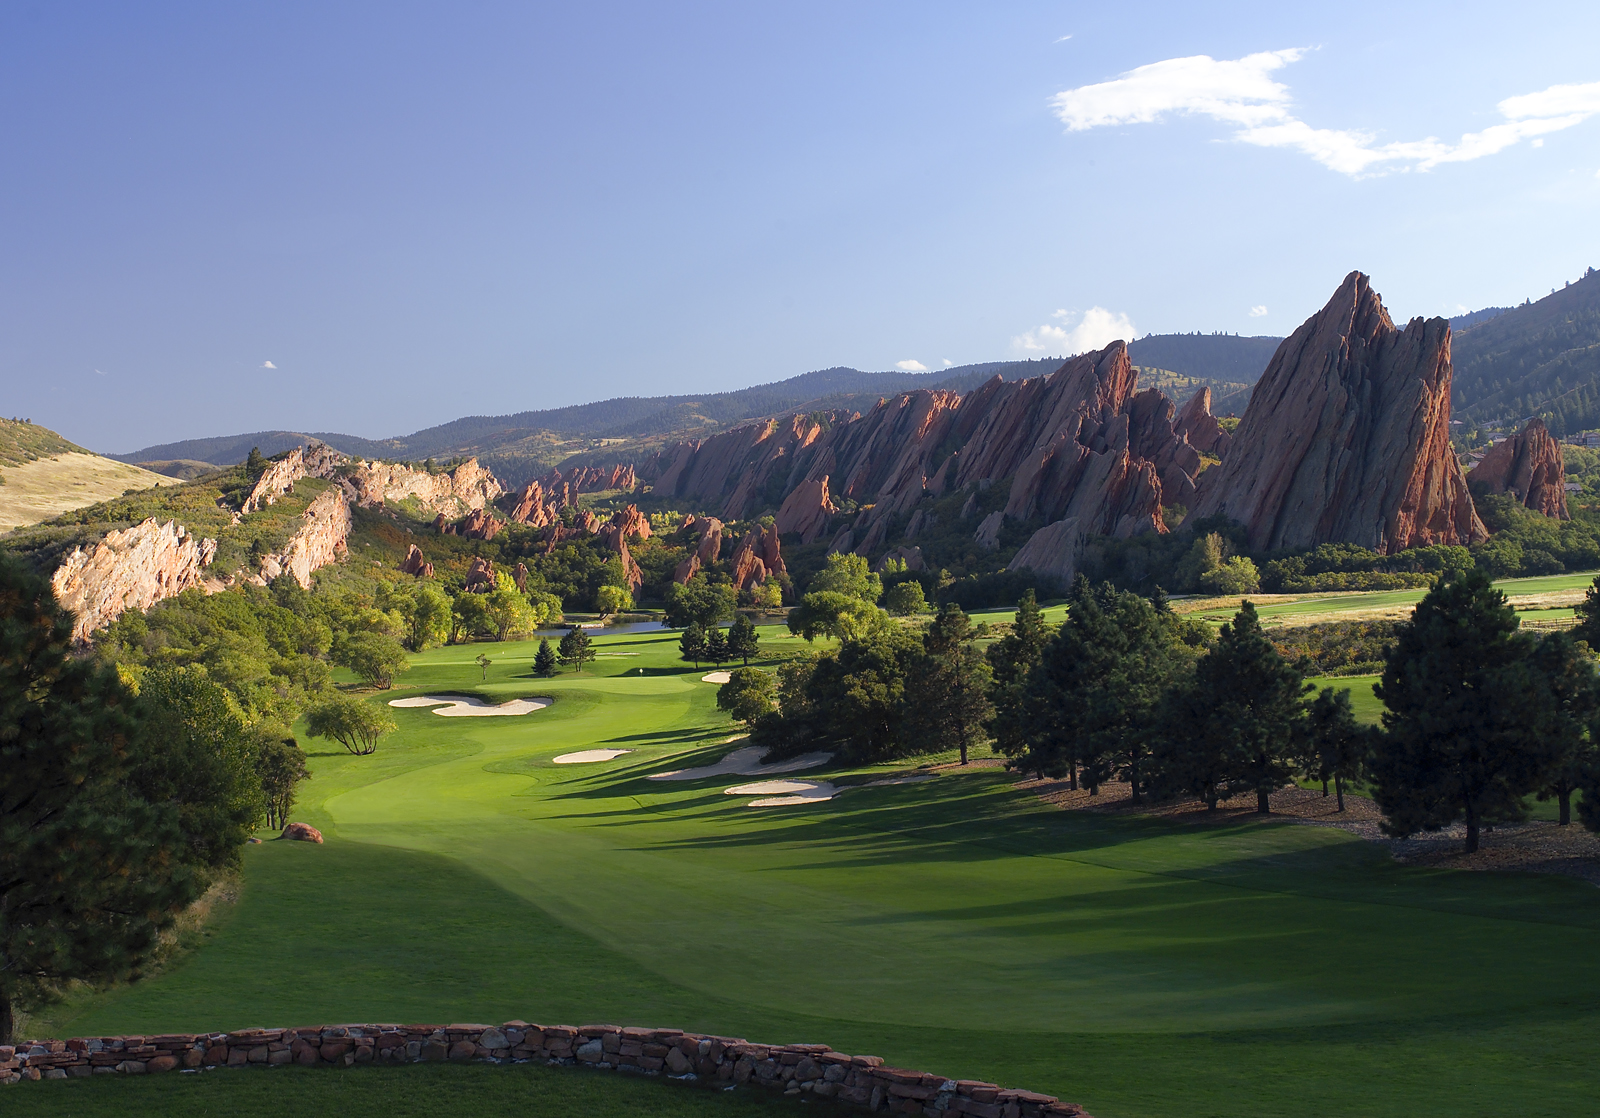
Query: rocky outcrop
x: 1200, y: 428
x: 562, y: 489
x: 312, y: 460
x: 732, y: 471
x: 478, y: 525
x: 613, y: 536
x: 707, y: 546
x: 1347, y: 437
x: 1530, y: 467
x: 529, y: 507
x: 480, y: 576
x: 714, y: 1062
x: 756, y: 557
x: 1052, y: 552
x: 319, y: 541
x: 129, y: 569
x: 635, y: 525
x: 807, y: 510
x: 988, y: 534
x: 519, y: 575
x: 415, y: 564
x: 467, y: 487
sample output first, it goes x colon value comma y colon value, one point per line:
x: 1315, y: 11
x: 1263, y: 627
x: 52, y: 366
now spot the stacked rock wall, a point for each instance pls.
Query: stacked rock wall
x: 795, y: 1069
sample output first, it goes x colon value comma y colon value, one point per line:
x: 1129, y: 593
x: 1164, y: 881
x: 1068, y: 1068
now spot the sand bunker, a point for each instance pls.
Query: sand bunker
x: 590, y: 756
x: 747, y: 762
x: 715, y: 677
x: 465, y: 706
x: 784, y: 793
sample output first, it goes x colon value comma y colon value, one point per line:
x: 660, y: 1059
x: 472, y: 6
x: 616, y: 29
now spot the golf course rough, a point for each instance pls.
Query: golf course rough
x: 717, y: 1061
x: 1141, y: 967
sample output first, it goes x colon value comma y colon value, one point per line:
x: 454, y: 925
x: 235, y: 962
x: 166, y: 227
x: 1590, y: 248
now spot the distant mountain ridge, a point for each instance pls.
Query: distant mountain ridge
x: 530, y: 441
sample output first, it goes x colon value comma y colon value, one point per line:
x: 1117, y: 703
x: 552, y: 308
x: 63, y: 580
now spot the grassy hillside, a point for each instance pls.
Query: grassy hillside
x: 1539, y: 359
x: 1143, y: 967
x: 22, y: 441
x: 50, y: 486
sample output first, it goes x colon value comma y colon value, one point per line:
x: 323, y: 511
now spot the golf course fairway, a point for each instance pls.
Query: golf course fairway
x: 1138, y: 966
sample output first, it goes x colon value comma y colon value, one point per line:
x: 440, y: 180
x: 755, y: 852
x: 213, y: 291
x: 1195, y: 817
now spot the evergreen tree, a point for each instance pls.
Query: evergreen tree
x: 1234, y: 725
x: 91, y: 869
x: 1011, y: 658
x: 1588, y: 611
x: 1572, y: 704
x: 575, y: 649
x: 743, y: 640
x: 692, y: 645
x: 254, y: 464
x: 717, y: 646
x: 1463, y: 733
x: 544, y: 661
x: 947, y: 694
x: 1334, y: 744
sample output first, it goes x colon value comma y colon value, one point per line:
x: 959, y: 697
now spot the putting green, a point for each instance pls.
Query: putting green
x: 1137, y: 966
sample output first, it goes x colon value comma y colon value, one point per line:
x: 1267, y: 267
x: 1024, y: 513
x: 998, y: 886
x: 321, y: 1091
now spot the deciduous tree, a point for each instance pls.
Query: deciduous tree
x: 347, y: 720
x: 749, y: 695
x: 375, y: 657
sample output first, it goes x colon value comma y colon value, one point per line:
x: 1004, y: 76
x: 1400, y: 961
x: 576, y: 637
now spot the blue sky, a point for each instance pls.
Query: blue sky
x: 416, y: 212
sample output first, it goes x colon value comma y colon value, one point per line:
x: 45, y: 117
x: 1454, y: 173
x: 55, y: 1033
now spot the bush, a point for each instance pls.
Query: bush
x: 1234, y: 576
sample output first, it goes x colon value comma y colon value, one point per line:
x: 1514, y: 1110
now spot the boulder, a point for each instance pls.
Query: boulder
x: 1052, y: 551
x: 1530, y: 467
x: 807, y: 510
x: 302, y: 832
x: 415, y: 564
x: 1347, y: 437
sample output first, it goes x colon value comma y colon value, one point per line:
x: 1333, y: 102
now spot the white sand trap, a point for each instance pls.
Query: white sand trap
x: 747, y: 762
x: 590, y: 756
x: 911, y: 778
x: 784, y: 793
x: 716, y: 677
x: 464, y: 706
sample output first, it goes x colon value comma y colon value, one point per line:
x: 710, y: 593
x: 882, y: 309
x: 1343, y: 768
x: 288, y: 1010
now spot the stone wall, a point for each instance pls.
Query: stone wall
x: 716, y: 1061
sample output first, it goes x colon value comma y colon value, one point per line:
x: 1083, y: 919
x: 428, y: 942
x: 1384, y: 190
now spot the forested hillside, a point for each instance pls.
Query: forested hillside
x: 1539, y: 359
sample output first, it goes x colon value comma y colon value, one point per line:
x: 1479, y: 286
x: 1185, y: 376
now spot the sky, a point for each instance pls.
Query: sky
x: 371, y: 218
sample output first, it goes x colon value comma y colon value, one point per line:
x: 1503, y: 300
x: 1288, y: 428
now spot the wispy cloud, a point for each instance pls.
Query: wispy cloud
x: 1095, y: 328
x: 1063, y: 39
x: 98, y: 373
x: 911, y: 366
x: 1242, y: 92
x: 1258, y: 311
x: 268, y: 365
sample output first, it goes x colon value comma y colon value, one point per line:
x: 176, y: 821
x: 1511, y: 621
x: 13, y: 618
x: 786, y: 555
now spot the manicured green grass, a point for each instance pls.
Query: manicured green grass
x: 1366, y: 705
x: 1383, y: 599
x: 419, y: 1090
x: 1137, y: 966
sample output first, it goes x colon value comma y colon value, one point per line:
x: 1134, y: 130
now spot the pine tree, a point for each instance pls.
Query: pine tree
x: 692, y: 645
x: 1588, y: 611
x: 717, y: 646
x: 544, y: 661
x: 743, y: 640
x: 1463, y: 733
x: 1572, y: 704
x: 574, y: 648
x: 91, y: 870
x: 1334, y: 744
x: 947, y: 693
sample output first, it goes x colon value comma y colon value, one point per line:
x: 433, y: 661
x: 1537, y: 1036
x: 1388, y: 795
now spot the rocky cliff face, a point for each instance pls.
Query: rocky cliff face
x: 130, y: 569
x: 1530, y: 467
x: 319, y: 541
x: 466, y: 488
x: 1347, y: 437
x: 1202, y: 429
x: 312, y: 460
x: 757, y: 556
x: 807, y: 510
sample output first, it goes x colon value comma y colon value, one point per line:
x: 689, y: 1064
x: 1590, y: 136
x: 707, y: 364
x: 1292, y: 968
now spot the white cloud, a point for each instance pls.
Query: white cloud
x: 98, y: 373
x: 1241, y: 92
x: 1063, y: 39
x: 1096, y: 328
x: 1258, y: 311
x: 948, y: 362
x: 268, y: 365
x: 911, y: 366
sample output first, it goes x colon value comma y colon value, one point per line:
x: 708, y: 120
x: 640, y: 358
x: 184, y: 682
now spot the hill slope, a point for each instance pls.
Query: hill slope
x: 43, y: 475
x: 1539, y: 359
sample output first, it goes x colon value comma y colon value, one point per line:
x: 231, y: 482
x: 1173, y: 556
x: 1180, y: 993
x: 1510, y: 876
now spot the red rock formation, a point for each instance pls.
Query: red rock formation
x: 312, y: 460
x: 687, y: 569
x: 634, y: 524
x: 564, y: 488
x: 520, y: 577
x: 468, y: 486
x: 415, y: 564
x: 529, y: 507
x: 1529, y: 466
x: 479, y: 525
x: 129, y: 569
x: 1201, y: 428
x: 302, y: 832
x: 1052, y: 551
x: 807, y: 510
x: 756, y: 557
x: 1347, y: 437
x: 480, y: 576
x: 732, y: 470
x: 613, y: 536
x: 772, y: 552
